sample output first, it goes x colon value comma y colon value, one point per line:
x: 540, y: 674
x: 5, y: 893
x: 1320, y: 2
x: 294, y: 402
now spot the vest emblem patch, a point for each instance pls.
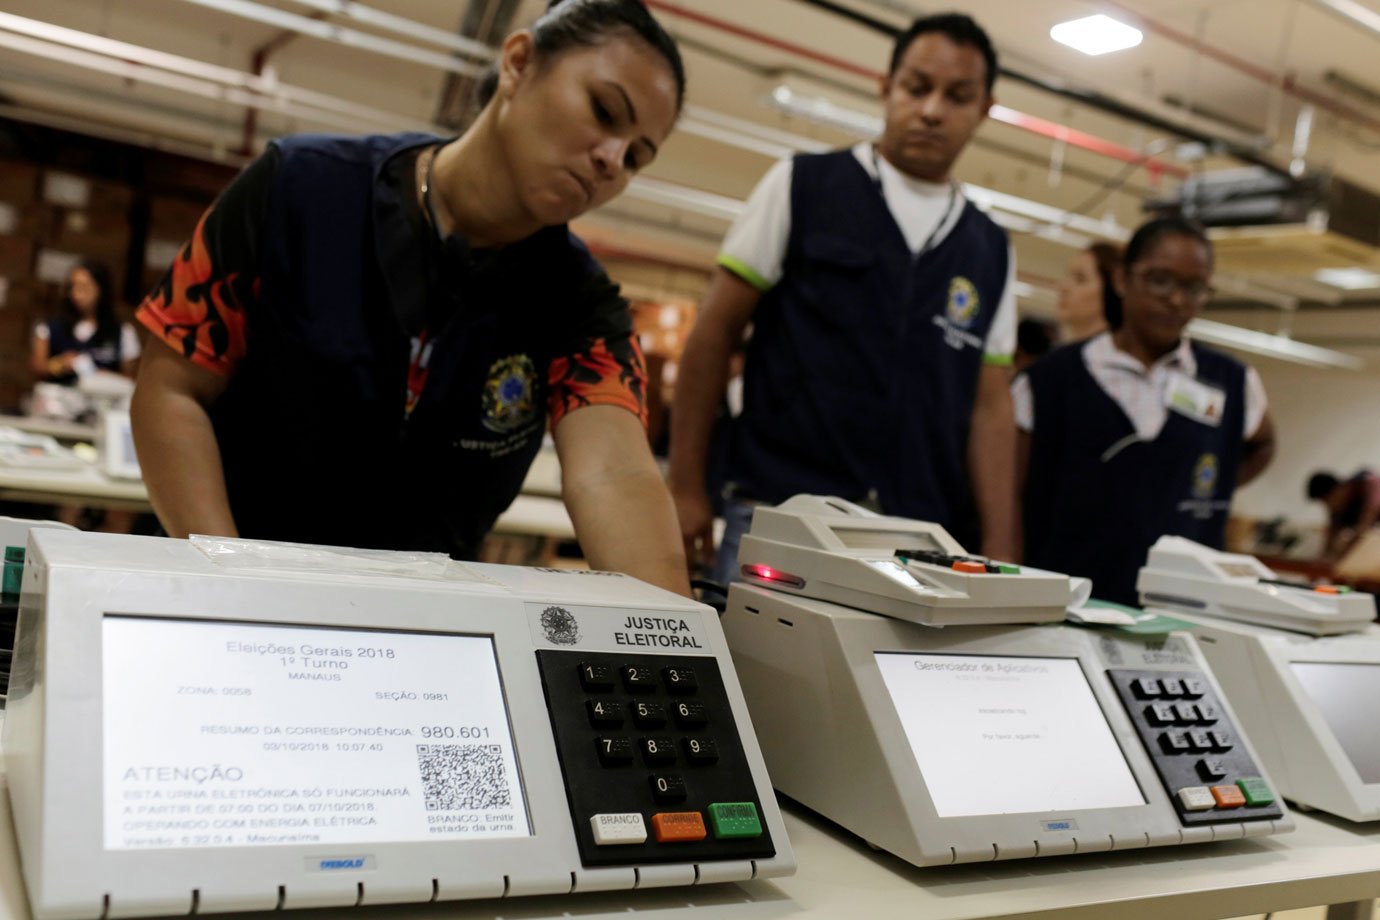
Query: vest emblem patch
x: 963, y: 302
x: 509, y: 399
x: 1205, y: 476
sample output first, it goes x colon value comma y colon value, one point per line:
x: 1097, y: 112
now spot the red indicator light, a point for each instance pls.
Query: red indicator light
x: 773, y: 576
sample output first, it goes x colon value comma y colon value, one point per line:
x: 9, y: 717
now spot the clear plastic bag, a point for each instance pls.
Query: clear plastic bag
x: 311, y: 559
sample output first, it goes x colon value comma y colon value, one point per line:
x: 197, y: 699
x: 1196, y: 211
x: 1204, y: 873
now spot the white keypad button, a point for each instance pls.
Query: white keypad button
x: 611, y: 830
x: 1196, y: 798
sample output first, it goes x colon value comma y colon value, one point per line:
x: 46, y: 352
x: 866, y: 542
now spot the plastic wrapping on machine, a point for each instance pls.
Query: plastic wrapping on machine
x: 309, y: 559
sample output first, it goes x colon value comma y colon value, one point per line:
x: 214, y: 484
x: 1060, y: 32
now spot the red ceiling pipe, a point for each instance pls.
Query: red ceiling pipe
x: 1254, y: 71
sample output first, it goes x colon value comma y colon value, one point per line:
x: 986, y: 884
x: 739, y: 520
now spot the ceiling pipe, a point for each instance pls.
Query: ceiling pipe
x: 1000, y: 114
x: 306, y: 25
x: 259, y: 60
x: 1090, y: 99
x: 399, y: 25
x: 1254, y: 71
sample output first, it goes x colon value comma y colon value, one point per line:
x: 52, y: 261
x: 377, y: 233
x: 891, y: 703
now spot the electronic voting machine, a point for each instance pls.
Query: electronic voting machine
x: 1299, y: 663
x: 212, y: 725
x: 973, y: 742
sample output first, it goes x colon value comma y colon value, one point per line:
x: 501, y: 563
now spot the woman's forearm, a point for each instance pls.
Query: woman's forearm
x: 181, y: 463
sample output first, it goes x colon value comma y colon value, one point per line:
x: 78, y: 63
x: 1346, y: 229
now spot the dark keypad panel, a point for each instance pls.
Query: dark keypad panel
x: 1209, y: 776
x: 672, y: 761
x: 9, y: 617
x: 946, y: 560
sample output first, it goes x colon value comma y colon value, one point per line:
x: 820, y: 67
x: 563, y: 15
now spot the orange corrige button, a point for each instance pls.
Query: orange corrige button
x: 678, y: 827
x: 1228, y: 796
x: 972, y: 568
x: 1327, y: 589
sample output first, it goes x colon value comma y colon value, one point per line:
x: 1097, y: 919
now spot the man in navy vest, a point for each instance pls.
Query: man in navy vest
x: 883, y: 323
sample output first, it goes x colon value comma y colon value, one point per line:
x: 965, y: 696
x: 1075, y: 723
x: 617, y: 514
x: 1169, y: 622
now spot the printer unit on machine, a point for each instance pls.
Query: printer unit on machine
x: 1300, y: 663
x: 962, y: 725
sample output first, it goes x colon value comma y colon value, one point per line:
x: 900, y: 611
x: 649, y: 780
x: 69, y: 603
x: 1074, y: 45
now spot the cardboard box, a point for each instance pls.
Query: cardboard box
x: 54, y: 266
x: 22, y: 295
x: 16, y: 257
x: 103, y: 234
x: 18, y: 182
x: 33, y: 220
x: 174, y: 218
x: 159, y: 256
x: 69, y: 190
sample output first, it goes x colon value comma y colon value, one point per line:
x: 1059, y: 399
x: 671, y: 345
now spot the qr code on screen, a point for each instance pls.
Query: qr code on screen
x: 463, y: 777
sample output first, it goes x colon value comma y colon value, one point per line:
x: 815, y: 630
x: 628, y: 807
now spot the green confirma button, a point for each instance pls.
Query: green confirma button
x: 1256, y: 791
x: 735, y: 819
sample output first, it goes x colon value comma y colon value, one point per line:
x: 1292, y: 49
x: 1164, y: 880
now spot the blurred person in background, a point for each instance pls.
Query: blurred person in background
x: 1353, y: 507
x: 1088, y: 301
x: 1034, y: 339
x: 86, y: 336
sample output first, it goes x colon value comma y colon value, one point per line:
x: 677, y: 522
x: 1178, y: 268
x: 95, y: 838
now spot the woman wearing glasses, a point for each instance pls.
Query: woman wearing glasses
x: 1137, y: 432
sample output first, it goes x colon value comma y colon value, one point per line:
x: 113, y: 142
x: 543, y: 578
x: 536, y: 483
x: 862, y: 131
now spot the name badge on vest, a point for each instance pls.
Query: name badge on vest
x: 1199, y: 401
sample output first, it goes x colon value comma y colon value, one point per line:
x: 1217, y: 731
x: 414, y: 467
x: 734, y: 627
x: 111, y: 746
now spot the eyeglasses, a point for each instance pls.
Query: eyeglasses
x: 1160, y: 283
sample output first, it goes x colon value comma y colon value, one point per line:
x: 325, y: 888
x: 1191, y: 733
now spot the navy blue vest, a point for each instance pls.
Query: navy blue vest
x: 104, y: 351
x: 863, y: 365
x: 311, y: 427
x: 1096, y: 500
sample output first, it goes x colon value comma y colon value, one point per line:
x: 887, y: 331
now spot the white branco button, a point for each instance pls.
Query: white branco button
x: 610, y: 830
x: 1196, y: 798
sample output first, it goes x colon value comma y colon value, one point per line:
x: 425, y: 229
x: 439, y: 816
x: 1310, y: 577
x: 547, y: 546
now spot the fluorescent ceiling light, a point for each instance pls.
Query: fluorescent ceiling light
x: 1272, y: 346
x: 304, y: 25
x: 1348, y: 279
x: 682, y: 196
x: 1096, y: 35
x: 397, y: 24
x: 1361, y: 15
x: 821, y: 111
x: 157, y: 68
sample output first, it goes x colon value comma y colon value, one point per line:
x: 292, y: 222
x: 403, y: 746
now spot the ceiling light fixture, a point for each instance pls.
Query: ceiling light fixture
x: 1348, y: 279
x: 401, y: 26
x: 822, y: 111
x: 1271, y: 346
x: 327, y: 31
x: 1350, y: 9
x: 1094, y: 35
x: 147, y: 65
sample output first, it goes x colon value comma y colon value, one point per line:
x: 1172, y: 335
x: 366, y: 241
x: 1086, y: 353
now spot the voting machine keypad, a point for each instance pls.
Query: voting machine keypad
x: 1208, y: 773
x: 968, y: 565
x: 654, y: 769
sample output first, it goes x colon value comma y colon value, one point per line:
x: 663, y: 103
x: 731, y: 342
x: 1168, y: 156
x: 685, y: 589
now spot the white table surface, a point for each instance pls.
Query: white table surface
x: 86, y: 485
x: 529, y: 514
x: 1324, y: 861
x: 54, y: 428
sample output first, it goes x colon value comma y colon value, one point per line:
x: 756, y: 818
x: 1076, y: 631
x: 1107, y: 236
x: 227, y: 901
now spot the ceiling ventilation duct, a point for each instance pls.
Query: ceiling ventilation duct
x: 1262, y: 222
